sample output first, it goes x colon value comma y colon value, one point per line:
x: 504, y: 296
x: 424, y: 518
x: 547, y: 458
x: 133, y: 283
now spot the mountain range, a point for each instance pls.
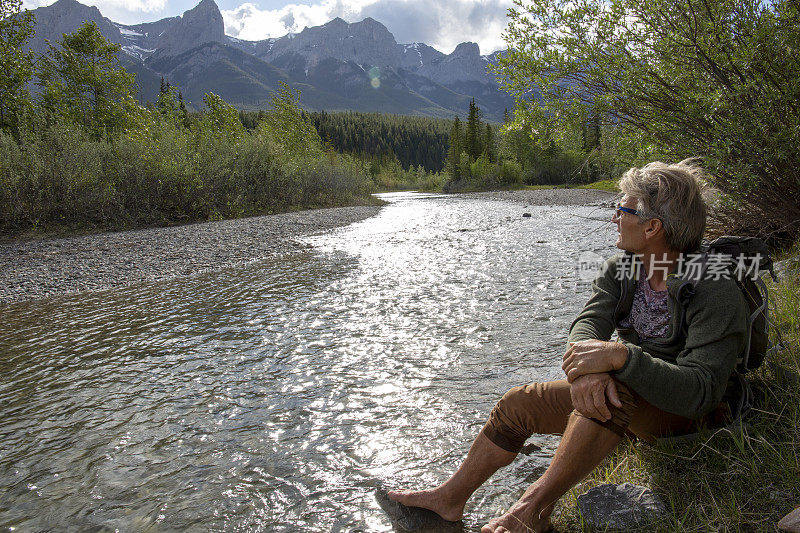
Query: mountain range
x: 337, y: 66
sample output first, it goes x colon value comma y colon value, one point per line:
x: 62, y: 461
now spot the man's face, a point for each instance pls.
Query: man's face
x: 629, y: 226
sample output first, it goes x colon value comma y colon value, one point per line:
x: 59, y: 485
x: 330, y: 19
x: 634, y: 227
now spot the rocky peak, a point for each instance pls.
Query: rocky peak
x: 75, y: 9
x: 466, y: 50
x: 65, y: 16
x: 417, y: 55
x: 367, y: 43
x: 464, y: 64
x: 336, y: 23
x: 199, y: 25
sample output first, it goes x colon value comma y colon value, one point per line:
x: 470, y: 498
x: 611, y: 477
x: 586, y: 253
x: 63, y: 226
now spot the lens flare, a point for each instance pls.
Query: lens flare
x: 375, y: 77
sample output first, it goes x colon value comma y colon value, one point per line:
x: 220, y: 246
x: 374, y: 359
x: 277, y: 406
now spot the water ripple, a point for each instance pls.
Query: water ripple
x: 274, y: 396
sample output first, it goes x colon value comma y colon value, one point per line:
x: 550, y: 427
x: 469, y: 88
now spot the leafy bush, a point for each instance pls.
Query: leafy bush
x: 710, y: 78
x: 158, y: 171
x: 510, y: 173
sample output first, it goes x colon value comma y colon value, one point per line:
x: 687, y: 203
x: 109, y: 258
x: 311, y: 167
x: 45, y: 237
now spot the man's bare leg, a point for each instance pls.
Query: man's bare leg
x: 448, y: 499
x: 584, y: 445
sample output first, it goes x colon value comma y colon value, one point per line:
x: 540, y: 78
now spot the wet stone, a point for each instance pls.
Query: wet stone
x: 624, y: 506
x: 791, y: 522
x: 414, y: 519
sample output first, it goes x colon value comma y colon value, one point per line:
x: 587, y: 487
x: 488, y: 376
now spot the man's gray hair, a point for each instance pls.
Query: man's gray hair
x: 673, y: 194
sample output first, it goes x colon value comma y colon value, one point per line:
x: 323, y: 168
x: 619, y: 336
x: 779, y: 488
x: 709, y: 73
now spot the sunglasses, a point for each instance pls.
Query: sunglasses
x: 619, y: 208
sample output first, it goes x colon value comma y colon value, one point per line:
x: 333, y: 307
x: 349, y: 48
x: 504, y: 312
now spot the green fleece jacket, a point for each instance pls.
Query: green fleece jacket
x: 686, y: 374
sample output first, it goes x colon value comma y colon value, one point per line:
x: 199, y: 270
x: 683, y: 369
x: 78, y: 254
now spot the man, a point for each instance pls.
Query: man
x: 658, y: 379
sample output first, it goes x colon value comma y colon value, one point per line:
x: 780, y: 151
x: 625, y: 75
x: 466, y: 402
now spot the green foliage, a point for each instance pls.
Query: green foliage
x: 220, y: 119
x: 170, y: 106
x: 472, y: 134
x: 83, y: 82
x: 289, y: 127
x: 382, y: 138
x: 454, y: 151
x: 16, y: 66
x: 714, y: 78
x: 510, y: 173
x: 74, y: 169
x: 526, y: 154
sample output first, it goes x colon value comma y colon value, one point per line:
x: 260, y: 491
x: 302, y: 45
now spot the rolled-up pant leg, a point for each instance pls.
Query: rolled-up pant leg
x: 545, y: 408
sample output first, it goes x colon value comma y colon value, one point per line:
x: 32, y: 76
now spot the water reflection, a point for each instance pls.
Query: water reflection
x: 277, y: 396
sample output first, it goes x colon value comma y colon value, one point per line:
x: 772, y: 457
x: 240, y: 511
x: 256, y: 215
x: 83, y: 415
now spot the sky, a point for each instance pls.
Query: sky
x: 439, y: 23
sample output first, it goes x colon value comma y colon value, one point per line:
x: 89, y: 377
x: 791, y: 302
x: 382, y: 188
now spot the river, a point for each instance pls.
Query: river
x: 276, y: 396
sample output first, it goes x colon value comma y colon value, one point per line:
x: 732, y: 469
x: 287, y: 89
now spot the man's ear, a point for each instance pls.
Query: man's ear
x: 654, y: 227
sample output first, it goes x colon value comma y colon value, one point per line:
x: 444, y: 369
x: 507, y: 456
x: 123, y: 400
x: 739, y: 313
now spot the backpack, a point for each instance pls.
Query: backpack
x: 742, y: 259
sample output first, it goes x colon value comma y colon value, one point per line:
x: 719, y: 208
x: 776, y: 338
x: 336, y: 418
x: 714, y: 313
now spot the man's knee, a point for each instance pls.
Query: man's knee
x: 620, y: 416
x: 528, y: 409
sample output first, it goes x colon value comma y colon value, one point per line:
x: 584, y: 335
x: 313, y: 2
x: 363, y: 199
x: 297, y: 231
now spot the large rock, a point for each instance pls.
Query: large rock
x: 791, y: 522
x: 622, y: 506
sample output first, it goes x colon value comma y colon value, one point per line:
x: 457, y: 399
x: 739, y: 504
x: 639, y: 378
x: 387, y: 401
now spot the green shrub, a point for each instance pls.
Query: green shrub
x: 510, y: 173
x: 158, y: 171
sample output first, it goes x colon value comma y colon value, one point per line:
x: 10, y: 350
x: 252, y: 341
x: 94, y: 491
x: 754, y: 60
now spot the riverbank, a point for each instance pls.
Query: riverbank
x: 548, y: 196
x: 31, y: 270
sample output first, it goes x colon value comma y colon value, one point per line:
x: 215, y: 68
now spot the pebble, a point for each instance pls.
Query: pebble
x: 31, y: 270
x: 549, y: 197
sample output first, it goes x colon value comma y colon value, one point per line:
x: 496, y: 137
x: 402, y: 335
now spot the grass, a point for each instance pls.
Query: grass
x: 603, y: 185
x: 742, y: 480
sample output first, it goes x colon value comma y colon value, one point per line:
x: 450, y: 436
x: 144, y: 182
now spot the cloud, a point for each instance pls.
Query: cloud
x: 442, y: 24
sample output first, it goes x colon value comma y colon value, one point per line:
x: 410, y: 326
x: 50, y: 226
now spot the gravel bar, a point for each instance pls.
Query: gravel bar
x: 549, y: 196
x: 40, y: 269
x: 32, y: 270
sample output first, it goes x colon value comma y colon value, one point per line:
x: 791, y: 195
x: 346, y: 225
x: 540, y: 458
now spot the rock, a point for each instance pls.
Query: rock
x: 414, y: 519
x: 622, y: 506
x: 787, y: 267
x: 791, y: 522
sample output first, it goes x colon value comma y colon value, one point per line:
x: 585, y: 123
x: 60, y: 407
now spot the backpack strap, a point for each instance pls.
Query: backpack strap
x: 742, y: 363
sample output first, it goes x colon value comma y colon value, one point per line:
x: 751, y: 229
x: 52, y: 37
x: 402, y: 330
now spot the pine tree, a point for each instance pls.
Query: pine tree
x: 454, y: 152
x: 591, y: 139
x: 472, y: 141
x: 164, y: 86
x: 490, y: 151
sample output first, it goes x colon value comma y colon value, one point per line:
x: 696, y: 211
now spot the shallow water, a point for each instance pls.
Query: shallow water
x: 278, y: 395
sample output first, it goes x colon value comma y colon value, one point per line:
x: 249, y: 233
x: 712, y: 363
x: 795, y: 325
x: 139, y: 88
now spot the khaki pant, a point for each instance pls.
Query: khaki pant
x: 546, y: 408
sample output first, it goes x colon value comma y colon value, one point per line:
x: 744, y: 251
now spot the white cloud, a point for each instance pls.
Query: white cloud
x: 442, y: 24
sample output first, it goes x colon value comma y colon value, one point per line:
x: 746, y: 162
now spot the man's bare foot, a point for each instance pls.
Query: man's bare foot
x: 523, y: 517
x: 435, y: 500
